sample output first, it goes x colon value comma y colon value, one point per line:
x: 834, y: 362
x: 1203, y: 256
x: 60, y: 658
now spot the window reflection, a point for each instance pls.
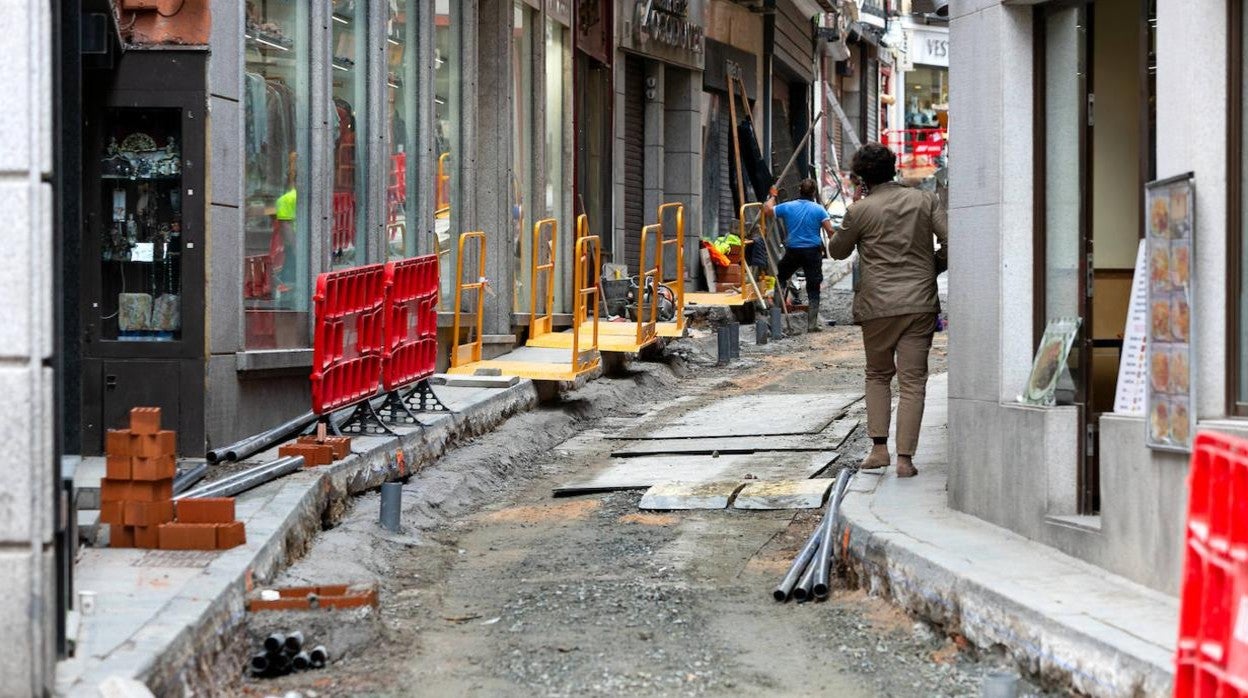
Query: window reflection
x: 349, y: 131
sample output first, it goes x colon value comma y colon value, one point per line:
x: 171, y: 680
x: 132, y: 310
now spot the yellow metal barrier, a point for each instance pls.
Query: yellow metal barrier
x: 647, y: 329
x: 583, y: 280
x: 675, y: 328
x: 473, y: 347
x: 542, y: 322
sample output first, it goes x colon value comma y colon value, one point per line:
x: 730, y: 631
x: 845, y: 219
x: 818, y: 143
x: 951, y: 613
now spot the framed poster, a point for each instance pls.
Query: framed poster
x: 1170, y: 207
x: 1050, y: 361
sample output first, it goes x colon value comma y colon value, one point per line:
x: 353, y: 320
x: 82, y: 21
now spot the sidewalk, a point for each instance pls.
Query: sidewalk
x: 1067, y: 621
x: 165, y: 618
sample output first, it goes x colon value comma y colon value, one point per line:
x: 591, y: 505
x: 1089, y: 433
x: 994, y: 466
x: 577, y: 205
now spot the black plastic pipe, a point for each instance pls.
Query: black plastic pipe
x: 259, y: 663
x: 823, y: 557
x: 294, y: 642
x: 265, y: 439
x: 319, y: 656
x: 301, y: 661
x: 274, y: 643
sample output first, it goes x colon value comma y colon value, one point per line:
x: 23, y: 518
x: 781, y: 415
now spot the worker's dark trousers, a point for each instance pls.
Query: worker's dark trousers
x: 810, y: 260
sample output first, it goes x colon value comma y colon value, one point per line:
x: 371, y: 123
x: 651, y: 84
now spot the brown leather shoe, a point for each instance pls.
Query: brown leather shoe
x: 877, y: 458
x: 905, y: 467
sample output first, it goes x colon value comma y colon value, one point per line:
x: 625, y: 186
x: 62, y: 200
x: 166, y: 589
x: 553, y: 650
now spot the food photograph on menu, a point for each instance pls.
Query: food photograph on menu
x: 1170, y: 205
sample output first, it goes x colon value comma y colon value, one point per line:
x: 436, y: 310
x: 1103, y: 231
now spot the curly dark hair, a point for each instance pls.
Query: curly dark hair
x: 874, y: 164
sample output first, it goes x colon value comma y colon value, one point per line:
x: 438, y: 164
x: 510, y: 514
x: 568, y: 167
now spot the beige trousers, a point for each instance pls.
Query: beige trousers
x: 897, y: 346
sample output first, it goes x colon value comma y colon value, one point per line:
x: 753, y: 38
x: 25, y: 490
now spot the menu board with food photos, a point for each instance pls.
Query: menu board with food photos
x: 1171, y: 207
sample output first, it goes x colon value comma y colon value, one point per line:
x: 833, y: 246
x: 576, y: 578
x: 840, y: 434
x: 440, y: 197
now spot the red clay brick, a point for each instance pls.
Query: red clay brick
x: 153, y: 468
x: 149, y: 513
x: 145, y: 420
x: 117, y: 467
x: 112, y: 513
x: 209, y: 510
x: 353, y: 600
x: 115, y: 490
x: 313, y: 454
x: 231, y: 535
x: 117, y: 442
x: 147, y: 537
x: 340, y: 444
x: 282, y: 604
x: 150, y: 490
x: 162, y: 443
x: 120, y: 537
x: 183, y: 536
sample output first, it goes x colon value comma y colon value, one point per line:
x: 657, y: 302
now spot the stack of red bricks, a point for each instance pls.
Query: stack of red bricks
x: 317, y: 450
x: 136, y: 494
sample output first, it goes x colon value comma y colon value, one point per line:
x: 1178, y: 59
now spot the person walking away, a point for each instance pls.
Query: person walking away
x: 893, y: 227
x: 803, y: 218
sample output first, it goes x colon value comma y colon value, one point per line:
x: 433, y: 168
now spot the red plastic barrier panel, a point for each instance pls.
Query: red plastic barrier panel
x: 411, y: 321
x: 348, y: 347
x: 1212, y: 652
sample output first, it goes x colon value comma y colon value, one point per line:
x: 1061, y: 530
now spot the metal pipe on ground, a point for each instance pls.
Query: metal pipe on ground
x: 186, y: 479
x: 823, y: 557
x: 804, y: 556
x: 241, y: 482
x: 319, y: 656
x: 802, y: 591
x: 301, y: 661
x: 294, y: 642
x: 259, y: 663
x: 274, y: 643
x: 259, y: 442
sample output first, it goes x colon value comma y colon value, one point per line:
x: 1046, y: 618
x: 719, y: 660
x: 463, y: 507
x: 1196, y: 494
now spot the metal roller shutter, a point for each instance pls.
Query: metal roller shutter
x: 634, y: 159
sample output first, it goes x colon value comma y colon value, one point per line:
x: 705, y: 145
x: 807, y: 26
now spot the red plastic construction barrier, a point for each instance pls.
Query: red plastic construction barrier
x: 342, y: 231
x: 1212, y: 653
x: 348, y: 347
x: 411, y: 321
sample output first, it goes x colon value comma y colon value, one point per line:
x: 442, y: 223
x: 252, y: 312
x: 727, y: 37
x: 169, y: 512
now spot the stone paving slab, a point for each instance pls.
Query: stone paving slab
x: 784, y: 494
x: 767, y: 414
x: 647, y: 471
x: 671, y: 496
x: 1056, y: 615
x: 829, y: 439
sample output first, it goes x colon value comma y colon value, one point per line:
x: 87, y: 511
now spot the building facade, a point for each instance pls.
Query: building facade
x: 1065, y: 112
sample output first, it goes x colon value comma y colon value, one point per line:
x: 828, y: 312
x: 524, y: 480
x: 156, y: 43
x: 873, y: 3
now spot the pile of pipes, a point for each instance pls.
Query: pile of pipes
x: 284, y: 653
x: 810, y: 575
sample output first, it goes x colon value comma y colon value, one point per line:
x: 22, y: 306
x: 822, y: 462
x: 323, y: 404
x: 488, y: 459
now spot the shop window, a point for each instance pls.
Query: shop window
x: 447, y: 105
x: 349, y: 133
x: 1237, y: 363
x: 401, y: 113
x: 558, y: 203
x: 276, y: 275
x: 522, y: 149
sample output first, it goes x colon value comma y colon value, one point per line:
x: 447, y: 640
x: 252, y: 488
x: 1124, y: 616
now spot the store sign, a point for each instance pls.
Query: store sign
x: 666, y: 29
x: 926, y: 47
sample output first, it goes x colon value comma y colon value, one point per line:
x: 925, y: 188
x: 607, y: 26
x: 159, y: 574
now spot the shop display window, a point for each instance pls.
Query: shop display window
x: 522, y: 150
x: 558, y: 203
x: 447, y: 103
x: 348, y: 128
x: 141, y: 205
x: 277, y: 281
x: 400, y: 126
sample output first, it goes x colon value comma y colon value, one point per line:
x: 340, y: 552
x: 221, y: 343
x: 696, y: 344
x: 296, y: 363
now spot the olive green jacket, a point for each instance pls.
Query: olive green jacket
x: 893, y: 229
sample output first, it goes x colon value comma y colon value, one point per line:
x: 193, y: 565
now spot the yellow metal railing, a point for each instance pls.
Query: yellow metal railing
x: 471, y: 351
x: 648, y: 285
x: 586, y: 305
x: 542, y: 322
x: 747, y: 289
x: 678, y: 284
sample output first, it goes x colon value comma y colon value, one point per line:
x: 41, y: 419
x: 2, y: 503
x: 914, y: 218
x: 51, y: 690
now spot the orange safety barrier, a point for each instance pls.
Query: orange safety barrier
x: 587, y: 297
x: 544, y: 231
x: 648, y: 286
x: 1212, y: 651
x: 470, y: 352
x: 349, y: 337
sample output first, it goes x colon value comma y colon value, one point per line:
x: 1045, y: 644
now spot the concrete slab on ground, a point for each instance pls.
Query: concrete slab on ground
x: 671, y: 496
x: 784, y: 494
x: 454, y: 381
x: 757, y: 413
x: 647, y: 471
x: 829, y: 439
x: 1056, y: 615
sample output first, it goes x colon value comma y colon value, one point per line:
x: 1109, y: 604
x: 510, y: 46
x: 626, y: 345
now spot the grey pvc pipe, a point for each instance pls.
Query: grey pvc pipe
x: 301, y: 661
x: 294, y: 642
x: 259, y: 663
x: 241, y: 482
x: 734, y: 340
x: 391, y: 506
x: 319, y: 656
x: 802, y: 591
x: 186, y: 479
x: 823, y: 557
x: 762, y: 332
x: 804, y: 556
x: 258, y: 442
x: 274, y: 642
x: 725, y: 350
x: 777, y: 326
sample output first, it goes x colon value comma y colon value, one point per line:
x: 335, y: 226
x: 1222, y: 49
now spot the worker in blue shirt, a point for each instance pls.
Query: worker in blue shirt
x: 803, y: 218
